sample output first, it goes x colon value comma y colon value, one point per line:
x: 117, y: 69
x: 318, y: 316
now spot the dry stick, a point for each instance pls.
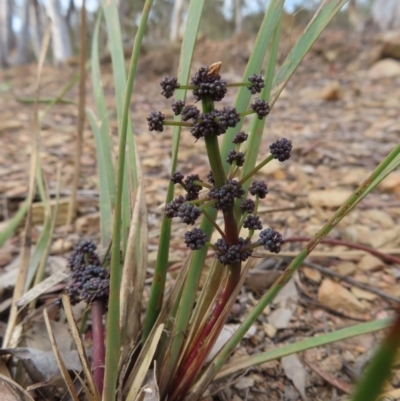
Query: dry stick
x: 328, y: 377
x: 381, y: 255
x: 352, y: 281
x: 26, y: 240
x: 81, y: 117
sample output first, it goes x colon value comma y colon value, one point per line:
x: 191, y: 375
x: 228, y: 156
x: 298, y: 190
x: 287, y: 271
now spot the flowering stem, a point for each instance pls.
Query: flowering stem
x: 238, y: 84
x: 178, y: 124
x: 216, y: 226
x: 255, y: 169
x: 97, y: 309
x: 202, y: 347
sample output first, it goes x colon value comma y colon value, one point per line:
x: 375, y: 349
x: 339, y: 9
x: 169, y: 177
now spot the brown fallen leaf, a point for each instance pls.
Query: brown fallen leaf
x: 336, y: 297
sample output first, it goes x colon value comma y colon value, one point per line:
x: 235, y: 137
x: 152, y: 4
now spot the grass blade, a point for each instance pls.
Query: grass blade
x: 61, y: 365
x: 104, y: 167
x: 123, y: 94
x: 14, y: 223
x: 158, y: 284
x: 327, y: 10
x: 371, y: 383
x: 137, y: 383
x: 240, y: 364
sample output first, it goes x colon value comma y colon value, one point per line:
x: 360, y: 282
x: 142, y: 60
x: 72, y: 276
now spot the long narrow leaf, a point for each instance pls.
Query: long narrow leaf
x: 240, y: 364
x: 105, y: 204
x: 123, y: 93
x: 158, y: 284
x: 372, y: 382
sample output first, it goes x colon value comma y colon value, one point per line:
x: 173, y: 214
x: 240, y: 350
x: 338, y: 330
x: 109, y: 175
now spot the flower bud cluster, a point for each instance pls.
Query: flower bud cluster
x: 90, y: 281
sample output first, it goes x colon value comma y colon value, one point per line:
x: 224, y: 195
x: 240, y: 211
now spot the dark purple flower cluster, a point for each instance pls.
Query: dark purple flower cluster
x: 240, y: 137
x: 195, y: 239
x: 155, y: 120
x: 281, y: 149
x: 177, y: 107
x: 209, y: 85
x: 237, y: 157
x: 191, y: 188
x: 271, y: 240
x: 257, y: 83
x: 207, y: 125
x: 168, y: 86
x: 247, y: 205
x: 258, y: 188
x: 86, y: 268
x: 261, y: 107
x: 226, y: 194
x: 252, y: 222
x: 228, y: 255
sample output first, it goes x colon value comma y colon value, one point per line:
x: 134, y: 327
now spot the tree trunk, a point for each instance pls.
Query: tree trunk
x: 386, y: 14
x: 61, y: 42
x: 238, y: 16
x: 36, y: 21
x: 22, y: 52
x: 176, y: 20
x: 6, y: 33
x: 354, y: 16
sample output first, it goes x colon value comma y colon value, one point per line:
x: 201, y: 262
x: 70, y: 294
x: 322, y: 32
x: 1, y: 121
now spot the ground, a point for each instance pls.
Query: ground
x: 343, y: 120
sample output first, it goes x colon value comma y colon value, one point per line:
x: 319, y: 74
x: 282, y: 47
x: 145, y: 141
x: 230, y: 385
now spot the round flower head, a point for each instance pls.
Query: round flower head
x: 207, y: 125
x: 252, y: 222
x: 228, y: 117
x: 177, y: 107
x: 228, y: 255
x: 168, y: 86
x: 258, y: 188
x: 195, y: 239
x: 240, y: 137
x: 209, y: 84
x: 257, y: 83
x: 188, y: 213
x: 281, y: 149
x: 261, y: 107
x: 237, y: 157
x: 177, y: 177
x: 271, y: 240
x: 226, y: 194
x: 247, y: 205
x: 190, y: 112
x: 155, y: 120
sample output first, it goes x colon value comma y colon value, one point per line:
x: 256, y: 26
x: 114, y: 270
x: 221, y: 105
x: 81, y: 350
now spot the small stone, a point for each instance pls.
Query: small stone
x: 386, y: 68
x: 269, y: 330
x: 370, y: 263
x: 61, y: 246
x: 336, y: 297
x: 280, y: 318
x: 312, y: 274
x: 346, y: 268
x: 362, y: 294
x: 244, y: 383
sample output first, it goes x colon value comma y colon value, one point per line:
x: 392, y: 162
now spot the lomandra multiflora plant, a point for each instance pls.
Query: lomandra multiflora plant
x: 223, y: 192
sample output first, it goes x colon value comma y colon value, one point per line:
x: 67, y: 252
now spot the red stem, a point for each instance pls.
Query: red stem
x: 98, y: 344
x: 384, y: 256
x: 202, y: 346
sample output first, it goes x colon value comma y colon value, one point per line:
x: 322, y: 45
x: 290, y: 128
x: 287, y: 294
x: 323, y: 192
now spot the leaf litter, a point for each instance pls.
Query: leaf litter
x: 341, y: 112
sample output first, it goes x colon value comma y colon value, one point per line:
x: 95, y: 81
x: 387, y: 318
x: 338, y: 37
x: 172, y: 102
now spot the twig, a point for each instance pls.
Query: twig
x: 81, y: 117
x: 337, y: 383
x: 384, y: 256
x: 352, y: 281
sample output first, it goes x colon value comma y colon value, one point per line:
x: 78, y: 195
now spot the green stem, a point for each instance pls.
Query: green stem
x: 255, y: 169
x: 113, y: 340
x: 177, y: 124
x: 212, y: 221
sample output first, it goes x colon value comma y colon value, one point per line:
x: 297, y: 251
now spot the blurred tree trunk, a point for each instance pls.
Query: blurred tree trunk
x: 386, y: 14
x: 36, y: 22
x: 22, y: 51
x: 238, y: 16
x: 176, y: 20
x: 61, y: 42
x: 354, y: 16
x: 6, y: 33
